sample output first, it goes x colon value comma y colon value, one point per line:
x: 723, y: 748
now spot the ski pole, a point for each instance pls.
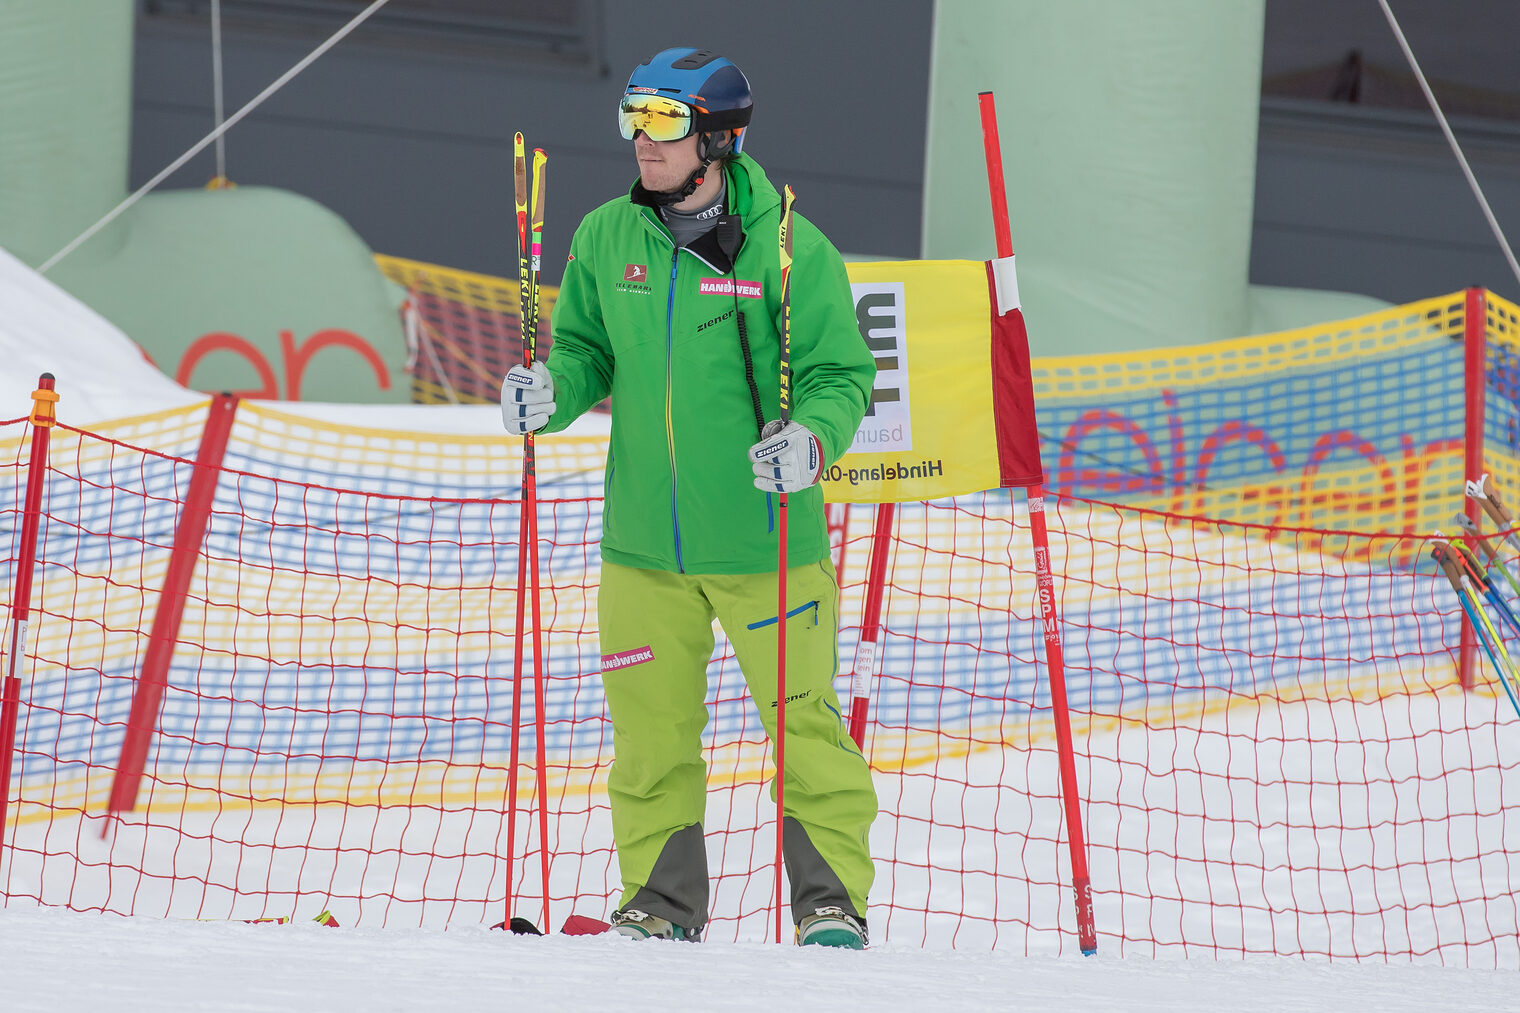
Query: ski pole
x: 785, y: 237
x: 530, y: 497
x: 1487, y: 494
x: 1453, y: 572
x: 1478, y: 576
x: 1446, y: 557
x: 529, y: 240
x: 1478, y: 625
x: 1470, y: 529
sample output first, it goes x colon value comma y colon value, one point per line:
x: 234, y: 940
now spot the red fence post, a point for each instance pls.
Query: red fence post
x: 1475, y: 340
x: 142, y: 721
x: 43, y: 417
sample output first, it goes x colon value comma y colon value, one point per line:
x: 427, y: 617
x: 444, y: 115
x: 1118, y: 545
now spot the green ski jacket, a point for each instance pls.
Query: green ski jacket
x: 655, y: 327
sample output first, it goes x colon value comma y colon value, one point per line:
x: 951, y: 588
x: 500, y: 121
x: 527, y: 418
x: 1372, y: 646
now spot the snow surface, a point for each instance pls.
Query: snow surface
x: 59, y: 960
x: 100, y: 372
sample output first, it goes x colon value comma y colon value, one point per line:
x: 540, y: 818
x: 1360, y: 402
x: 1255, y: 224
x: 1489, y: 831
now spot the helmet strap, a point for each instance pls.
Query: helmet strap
x: 708, y: 148
x: 668, y: 197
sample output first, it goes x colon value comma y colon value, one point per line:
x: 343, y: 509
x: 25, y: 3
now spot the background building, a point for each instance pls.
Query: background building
x: 1178, y: 171
x: 405, y: 128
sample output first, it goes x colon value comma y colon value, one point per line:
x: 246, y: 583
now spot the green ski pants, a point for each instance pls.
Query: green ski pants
x: 656, y: 641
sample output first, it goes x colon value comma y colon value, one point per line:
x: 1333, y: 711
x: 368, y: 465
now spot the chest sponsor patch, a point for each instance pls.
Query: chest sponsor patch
x: 626, y: 659
x: 727, y: 286
x: 635, y: 280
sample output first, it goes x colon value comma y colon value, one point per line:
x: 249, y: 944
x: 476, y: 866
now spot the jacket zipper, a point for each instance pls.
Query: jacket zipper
x: 670, y: 432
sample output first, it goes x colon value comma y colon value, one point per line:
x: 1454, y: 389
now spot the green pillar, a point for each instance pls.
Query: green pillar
x: 254, y: 289
x: 65, y: 121
x: 1129, y: 150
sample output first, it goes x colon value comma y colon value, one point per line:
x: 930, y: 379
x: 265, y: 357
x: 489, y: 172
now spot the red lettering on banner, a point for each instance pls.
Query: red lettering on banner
x: 1068, y: 477
x: 221, y: 341
x: 295, y: 357
x: 1231, y: 432
x: 1289, y: 506
x: 298, y: 357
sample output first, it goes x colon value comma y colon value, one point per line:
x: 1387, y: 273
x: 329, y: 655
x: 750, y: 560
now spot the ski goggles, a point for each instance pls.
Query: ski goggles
x: 660, y: 118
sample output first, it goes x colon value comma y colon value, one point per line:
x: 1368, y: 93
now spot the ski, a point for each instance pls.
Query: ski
x: 325, y: 918
x: 575, y: 925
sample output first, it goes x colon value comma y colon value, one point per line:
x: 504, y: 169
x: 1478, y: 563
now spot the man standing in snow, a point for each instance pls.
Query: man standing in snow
x: 670, y: 303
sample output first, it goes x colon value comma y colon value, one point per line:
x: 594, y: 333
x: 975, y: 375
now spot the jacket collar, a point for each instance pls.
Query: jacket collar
x: 706, y: 248
x: 750, y: 196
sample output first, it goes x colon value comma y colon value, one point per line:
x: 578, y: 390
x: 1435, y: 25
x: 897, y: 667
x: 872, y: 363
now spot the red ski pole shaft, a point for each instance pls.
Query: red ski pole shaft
x: 524, y: 525
x: 530, y: 498
x: 785, y: 237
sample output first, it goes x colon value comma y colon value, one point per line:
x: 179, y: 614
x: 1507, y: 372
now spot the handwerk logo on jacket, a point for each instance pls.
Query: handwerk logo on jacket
x: 680, y: 492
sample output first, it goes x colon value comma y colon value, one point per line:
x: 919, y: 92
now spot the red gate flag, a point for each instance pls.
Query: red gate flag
x: 953, y: 407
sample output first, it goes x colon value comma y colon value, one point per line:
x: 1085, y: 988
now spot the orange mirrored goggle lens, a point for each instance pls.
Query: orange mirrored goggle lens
x: 661, y: 119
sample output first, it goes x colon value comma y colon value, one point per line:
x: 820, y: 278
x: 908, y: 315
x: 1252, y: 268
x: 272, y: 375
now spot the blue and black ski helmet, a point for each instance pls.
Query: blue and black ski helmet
x: 704, y: 93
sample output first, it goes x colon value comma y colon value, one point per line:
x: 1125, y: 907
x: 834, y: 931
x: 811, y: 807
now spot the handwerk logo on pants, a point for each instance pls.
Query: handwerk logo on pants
x: 623, y: 659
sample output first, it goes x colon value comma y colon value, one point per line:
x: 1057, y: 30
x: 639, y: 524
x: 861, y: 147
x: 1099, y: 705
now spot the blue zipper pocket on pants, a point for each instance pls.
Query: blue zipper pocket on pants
x: 790, y: 615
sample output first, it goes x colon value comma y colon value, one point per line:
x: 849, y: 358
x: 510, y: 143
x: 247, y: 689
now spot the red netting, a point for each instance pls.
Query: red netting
x: 1273, y: 751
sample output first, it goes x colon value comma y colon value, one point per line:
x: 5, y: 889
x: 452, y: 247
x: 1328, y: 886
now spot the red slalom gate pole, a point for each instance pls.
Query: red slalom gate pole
x: 43, y: 417
x: 1087, y: 938
x: 868, y: 649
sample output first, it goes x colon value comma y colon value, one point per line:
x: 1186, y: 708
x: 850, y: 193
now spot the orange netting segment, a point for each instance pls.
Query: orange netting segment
x: 1354, y: 424
x: 464, y: 330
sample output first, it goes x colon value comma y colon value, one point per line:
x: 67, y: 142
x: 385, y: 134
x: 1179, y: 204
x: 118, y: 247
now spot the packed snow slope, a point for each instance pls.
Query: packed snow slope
x: 60, y: 961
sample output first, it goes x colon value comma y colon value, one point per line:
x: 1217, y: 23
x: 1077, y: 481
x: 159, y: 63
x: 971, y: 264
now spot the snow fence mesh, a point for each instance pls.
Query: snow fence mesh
x: 1274, y: 750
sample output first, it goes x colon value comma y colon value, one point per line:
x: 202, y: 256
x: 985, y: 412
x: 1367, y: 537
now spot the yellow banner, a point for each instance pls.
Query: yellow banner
x: 929, y: 431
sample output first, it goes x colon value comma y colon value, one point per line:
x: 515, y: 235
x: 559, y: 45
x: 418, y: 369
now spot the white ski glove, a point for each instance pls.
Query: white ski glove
x: 791, y: 458
x: 527, y: 399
